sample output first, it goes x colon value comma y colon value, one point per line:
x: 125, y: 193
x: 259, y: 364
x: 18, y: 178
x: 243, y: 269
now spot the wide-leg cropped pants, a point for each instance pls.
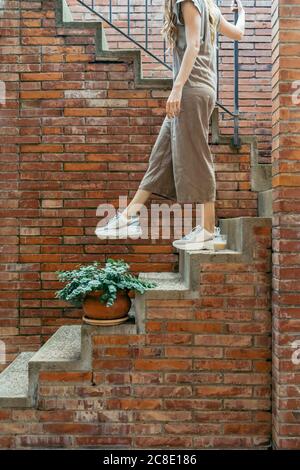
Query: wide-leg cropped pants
x: 181, y: 165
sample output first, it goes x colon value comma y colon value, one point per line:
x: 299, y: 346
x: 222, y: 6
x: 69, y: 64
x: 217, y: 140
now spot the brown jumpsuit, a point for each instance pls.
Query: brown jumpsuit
x: 181, y: 166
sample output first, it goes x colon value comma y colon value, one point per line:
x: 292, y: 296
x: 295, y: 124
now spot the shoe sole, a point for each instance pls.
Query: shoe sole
x: 119, y: 234
x: 207, y: 245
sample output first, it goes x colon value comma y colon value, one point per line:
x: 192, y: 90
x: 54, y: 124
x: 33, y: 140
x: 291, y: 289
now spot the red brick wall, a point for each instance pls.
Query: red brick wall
x: 199, y: 377
x: 286, y: 233
x: 64, y: 152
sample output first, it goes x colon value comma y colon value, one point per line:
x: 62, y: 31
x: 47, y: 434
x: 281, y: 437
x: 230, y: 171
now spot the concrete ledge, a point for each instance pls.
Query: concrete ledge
x: 265, y: 203
x: 67, y: 14
x: 260, y: 173
x: 261, y: 177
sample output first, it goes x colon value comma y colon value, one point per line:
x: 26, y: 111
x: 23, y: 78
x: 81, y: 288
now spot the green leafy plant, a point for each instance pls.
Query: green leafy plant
x: 112, y: 277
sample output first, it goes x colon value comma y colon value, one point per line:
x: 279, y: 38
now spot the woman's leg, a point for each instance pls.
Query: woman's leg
x: 209, y: 216
x: 140, y: 198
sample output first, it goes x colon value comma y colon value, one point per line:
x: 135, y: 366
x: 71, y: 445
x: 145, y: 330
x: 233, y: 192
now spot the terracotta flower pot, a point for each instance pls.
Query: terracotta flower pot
x: 96, y: 310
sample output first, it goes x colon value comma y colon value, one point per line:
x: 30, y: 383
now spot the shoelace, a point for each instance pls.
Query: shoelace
x: 133, y: 221
x: 195, y: 229
x: 217, y: 232
x: 113, y: 219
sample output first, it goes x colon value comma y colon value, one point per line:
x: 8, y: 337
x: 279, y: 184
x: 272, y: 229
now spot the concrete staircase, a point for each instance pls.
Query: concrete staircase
x: 70, y: 348
x: 18, y: 382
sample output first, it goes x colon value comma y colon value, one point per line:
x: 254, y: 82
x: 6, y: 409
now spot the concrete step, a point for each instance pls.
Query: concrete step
x: 185, y: 284
x: 19, y: 381
x: 239, y: 248
x: 69, y: 349
x: 63, y: 351
x: 14, y: 382
x: 169, y: 286
x: 165, y: 282
x: 64, y: 346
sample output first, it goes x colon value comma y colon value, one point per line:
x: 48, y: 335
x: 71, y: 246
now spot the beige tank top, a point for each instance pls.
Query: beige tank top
x: 204, y: 70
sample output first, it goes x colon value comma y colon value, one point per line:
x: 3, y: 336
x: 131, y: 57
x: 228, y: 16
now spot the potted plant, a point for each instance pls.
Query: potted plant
x: 102, y: 292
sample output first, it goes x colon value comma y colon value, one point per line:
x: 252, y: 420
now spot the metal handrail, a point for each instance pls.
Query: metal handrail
x: 234, y: 114
x: 130, y: 38
x: 236, y: 142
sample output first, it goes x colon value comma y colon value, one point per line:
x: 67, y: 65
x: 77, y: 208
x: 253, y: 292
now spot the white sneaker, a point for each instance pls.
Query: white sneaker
x: 120, y: 226
x: 198, y: 239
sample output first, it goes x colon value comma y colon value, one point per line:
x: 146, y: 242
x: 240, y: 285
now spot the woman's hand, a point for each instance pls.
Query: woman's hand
x: 173, y: 102
x: 236, y: 5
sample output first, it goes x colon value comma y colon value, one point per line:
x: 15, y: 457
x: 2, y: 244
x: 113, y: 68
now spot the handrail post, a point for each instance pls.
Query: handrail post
x: 146, y: 24
x: 128, y: 16
x: 218, y: 58
x: 236, y: 136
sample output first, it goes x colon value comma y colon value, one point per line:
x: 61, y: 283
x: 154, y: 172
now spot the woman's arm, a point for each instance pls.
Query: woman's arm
x: 192, y: 20
x: 234, y: 31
